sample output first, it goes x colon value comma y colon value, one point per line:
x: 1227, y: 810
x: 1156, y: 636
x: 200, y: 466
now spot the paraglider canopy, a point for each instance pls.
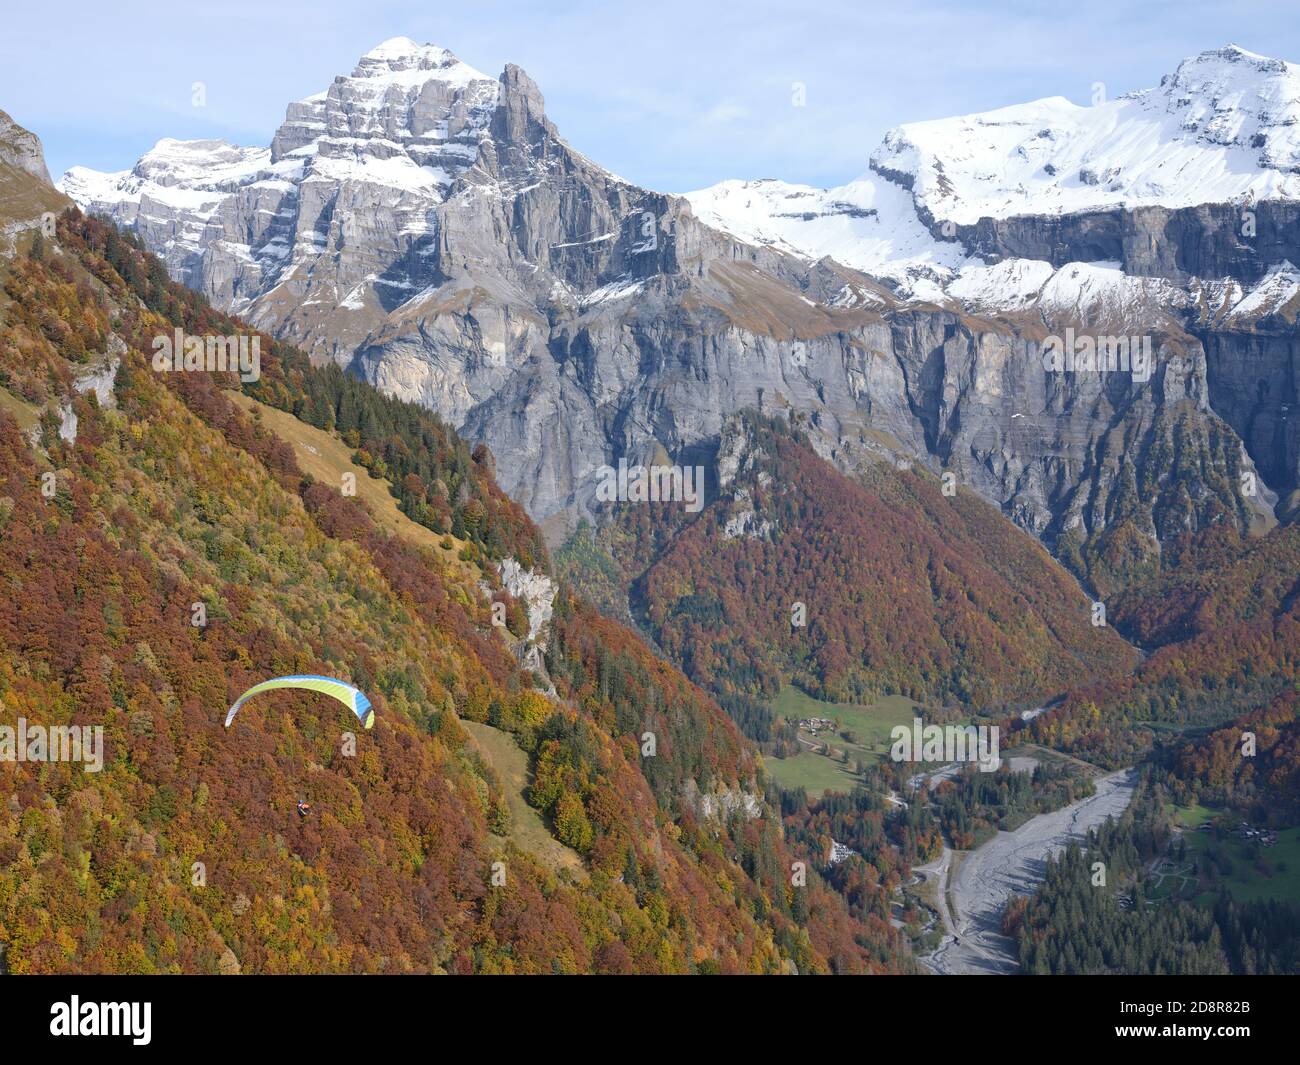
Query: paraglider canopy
x: 353, y: 698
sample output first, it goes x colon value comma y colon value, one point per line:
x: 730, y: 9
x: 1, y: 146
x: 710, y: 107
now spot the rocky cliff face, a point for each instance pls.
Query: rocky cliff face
x: 427, y: 226
x: 21, y: 149
x: 1170, y: 214
x: 26, y: 193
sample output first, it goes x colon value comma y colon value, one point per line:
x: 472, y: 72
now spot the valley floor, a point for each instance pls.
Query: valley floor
x: 974, y: 887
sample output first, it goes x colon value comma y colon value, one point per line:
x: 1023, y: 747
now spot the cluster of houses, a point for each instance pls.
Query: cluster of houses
x: 815, y: 725
x: 1266, y: 836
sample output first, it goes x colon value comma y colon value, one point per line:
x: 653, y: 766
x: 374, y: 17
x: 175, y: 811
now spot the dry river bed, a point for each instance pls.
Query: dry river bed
x: 974, y: 887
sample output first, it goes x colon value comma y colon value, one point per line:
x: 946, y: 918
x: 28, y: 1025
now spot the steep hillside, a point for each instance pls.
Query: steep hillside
x: 184, y: 554
x: 1222, y: 623
x: 905, y: 590
x: 1212, y: 770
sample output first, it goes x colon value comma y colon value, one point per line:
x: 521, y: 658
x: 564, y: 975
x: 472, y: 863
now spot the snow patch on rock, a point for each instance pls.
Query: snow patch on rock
x: 1277, y: 290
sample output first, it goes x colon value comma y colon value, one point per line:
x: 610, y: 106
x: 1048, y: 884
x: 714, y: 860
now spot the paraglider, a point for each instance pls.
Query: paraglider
x: 353, y: 698
x: 304, y: 808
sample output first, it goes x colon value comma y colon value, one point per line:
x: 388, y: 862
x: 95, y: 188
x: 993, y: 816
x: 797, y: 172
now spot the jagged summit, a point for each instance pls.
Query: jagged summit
x: 1230, y: 55
x: 402, y: 99
x: 400, y: 48
x: 403, y: 51
x: 391, y: 138
x: 400, y: 61
x: 419, y: 98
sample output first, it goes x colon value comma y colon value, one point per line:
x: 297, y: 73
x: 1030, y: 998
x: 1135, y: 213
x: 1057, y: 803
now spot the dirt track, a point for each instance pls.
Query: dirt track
x: 976, y: 885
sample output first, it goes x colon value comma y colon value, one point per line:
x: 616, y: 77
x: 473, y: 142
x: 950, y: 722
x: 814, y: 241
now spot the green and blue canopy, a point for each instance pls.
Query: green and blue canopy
x: 349, y: 696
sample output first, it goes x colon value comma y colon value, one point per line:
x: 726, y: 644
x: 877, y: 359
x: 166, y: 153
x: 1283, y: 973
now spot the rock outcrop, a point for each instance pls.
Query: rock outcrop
x: 26, y: 194
x: 21, y: 149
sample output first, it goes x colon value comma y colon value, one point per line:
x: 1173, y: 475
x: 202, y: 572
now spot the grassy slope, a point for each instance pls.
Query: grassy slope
x: 872, y: 724
x: 24, y: 197
x: 527, y: 830
x: 325, y: 457
x: 815, y: 773
x: 1277, y: 876
x: 25, y: 414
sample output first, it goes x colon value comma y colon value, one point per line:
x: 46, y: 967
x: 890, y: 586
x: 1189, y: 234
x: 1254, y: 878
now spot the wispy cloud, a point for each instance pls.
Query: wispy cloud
x: 724, y: 113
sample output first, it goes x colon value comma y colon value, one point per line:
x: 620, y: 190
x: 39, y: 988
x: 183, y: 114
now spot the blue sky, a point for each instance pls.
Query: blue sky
x: 672, y: 94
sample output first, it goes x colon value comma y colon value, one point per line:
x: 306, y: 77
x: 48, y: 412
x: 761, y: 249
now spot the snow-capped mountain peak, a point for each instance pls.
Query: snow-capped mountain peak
x: 401, y: 60
x: 190, y: 163
x: 430, y: 229
x: 177, y: 176
x: 401, y: 49
x: 1223, y: 127
x: 418, y: 97
x: 395, y: 135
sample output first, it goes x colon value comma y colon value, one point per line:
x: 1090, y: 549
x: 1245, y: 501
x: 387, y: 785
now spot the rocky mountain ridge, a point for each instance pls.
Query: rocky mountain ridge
x: 428, y: 227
